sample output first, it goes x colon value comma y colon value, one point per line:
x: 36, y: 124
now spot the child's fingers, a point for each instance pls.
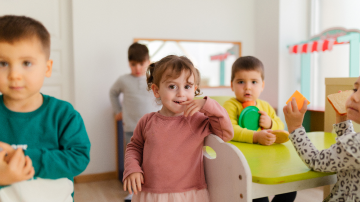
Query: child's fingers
x: 193, y: 110
x: 138, y: 183
x: 18, y: 159
x: 129, y: 186
x: 142, y: 179
x: 30, y: 174
x: 124, y: 185
x: 2, y: 155
x: 304, y: 107
x: 5, y: 146
x: 262, y: 113
x: 285, y: 108
x: 133, y: 185
x: 28, y: 165
x: 294, y: 105
x: 186, y: 102
x: 190, y: 110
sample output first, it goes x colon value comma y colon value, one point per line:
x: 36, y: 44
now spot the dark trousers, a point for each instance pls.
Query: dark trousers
x: 287, y: 197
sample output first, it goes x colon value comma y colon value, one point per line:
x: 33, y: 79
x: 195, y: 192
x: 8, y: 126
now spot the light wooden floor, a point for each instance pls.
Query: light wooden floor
x: 111, y: 191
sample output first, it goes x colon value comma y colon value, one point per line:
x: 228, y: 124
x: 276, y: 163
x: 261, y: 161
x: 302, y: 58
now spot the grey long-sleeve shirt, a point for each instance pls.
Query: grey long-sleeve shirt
x: 137, y: 100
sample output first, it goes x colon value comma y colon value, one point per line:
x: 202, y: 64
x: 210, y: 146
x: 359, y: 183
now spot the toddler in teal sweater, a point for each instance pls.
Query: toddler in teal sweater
x: 43, y: 137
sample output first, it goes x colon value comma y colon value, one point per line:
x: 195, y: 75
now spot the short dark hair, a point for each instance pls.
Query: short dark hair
x: 138, y: 52
x: 15, y: 28
x: 247, y: 63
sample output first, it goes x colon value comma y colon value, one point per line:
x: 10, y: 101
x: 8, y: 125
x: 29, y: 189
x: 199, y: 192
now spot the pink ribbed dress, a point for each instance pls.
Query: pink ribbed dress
x: 168, y: 151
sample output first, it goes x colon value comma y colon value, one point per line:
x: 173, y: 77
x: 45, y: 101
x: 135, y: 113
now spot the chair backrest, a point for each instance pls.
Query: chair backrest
x: 228, y: 176
x: 333, y: 85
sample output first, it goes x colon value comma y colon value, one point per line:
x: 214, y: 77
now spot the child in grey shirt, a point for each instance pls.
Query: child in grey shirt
x: 137, y: 101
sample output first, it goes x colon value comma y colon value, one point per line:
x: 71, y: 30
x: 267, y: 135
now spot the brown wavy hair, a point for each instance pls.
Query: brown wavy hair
x: 156, y: 71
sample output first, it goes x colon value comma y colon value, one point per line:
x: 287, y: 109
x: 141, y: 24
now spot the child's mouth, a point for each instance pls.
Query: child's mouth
x: 247, y: 95
x: 178, y: 102
x: 353, y: 109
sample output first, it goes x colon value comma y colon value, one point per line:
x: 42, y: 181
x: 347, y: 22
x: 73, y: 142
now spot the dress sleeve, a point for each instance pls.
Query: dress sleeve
x: 218, y: 120
x: 333, y: 159
x: 115, y: 91
x: 134, y: 150
x: 73, y: 154
x: 240, y: 134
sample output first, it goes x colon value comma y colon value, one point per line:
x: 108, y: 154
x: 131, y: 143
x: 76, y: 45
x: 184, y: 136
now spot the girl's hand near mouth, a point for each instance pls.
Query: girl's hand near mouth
x: 193, y: 106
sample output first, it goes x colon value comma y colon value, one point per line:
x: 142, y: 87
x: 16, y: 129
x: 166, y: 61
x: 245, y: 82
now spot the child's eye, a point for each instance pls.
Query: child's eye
x: 355, y: 90
x: 3, y: 64
x: 172, y: 87
x: 240, y: 82
x: 254, y: 82
x: 27, y: 64
x: 187, y: 87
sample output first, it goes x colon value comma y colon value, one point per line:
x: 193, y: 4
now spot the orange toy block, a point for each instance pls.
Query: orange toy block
x: 299, y: 99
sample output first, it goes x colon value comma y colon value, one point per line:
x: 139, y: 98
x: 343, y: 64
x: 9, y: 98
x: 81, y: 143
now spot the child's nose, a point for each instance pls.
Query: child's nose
x: 356, y: 96
x: 14, y: 74
x: 180, y: 92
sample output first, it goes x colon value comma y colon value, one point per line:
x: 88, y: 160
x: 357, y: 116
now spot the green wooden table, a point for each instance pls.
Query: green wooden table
x: 278, y: 168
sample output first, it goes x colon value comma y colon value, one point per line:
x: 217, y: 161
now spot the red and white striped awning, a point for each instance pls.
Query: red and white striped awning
x: 220, y: 56
x: 312, y: 46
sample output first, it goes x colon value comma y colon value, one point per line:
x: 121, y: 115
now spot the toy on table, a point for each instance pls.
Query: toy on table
x: 337, y: 100
x: 249, y: 119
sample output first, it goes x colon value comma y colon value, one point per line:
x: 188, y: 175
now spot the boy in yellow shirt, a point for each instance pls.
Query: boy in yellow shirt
x: 247, y: 82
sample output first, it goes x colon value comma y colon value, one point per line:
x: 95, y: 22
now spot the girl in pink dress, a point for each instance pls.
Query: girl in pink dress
x: 164, y: 160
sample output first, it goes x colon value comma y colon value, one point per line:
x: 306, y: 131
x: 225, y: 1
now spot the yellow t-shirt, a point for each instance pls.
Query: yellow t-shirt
x: 234, y: 108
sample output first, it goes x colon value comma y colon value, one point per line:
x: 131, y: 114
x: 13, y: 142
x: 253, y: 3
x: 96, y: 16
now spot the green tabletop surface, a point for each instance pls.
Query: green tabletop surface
x: 279, y: 163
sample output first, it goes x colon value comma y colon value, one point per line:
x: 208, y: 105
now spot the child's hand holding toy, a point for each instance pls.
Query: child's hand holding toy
x: 293, y: 115
x: 265, y: 120
x: 133, y: 182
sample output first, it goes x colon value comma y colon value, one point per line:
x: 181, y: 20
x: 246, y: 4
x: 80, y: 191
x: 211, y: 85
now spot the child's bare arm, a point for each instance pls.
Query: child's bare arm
x: 18, y: 169
x: 133, y: 182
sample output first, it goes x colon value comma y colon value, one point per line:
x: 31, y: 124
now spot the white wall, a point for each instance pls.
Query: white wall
x: 279, y: 23
x: 102, y: 32
x: 294, y: 27
x: 267, y: 46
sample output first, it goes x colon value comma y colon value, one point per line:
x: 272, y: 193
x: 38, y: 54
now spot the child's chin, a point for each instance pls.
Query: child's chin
x: 352, y: 116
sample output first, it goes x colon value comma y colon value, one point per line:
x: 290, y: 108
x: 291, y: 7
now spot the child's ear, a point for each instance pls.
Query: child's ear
x: 49, y: 65
x: 263, y: 85
x: 232, y: 86
x: 155, y: 90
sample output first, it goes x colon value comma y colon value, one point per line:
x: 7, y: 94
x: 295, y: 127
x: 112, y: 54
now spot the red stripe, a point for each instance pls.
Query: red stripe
x: 325, y: 45
x: 295, y: 49
x: 314, y: 46
x: 304, y: 48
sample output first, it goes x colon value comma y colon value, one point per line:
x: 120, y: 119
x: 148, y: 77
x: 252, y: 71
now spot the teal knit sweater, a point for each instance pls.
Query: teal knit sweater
x: 53, y: 136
